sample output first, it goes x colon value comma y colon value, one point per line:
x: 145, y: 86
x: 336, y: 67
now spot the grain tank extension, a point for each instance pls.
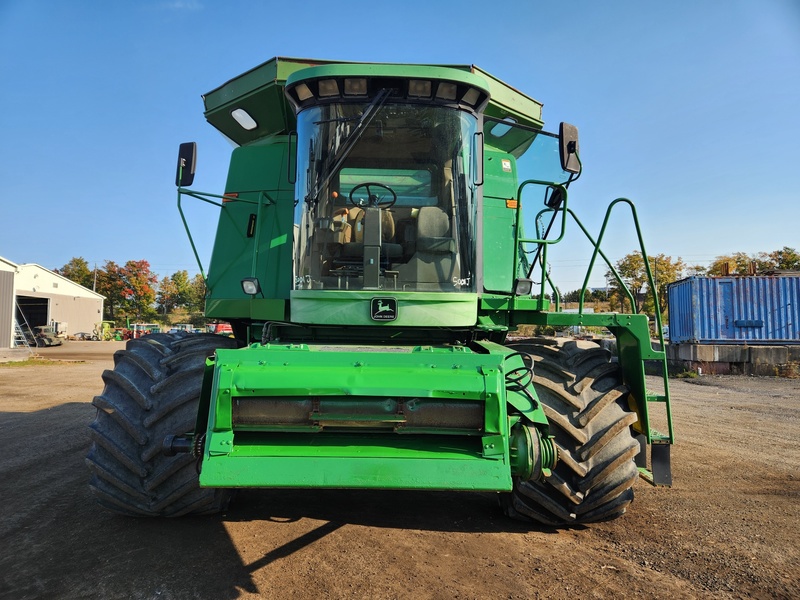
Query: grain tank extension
x: 382, y: 231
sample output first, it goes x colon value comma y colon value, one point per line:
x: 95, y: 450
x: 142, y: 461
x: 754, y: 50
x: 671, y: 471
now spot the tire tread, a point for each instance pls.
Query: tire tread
x: 586, y: 404
x: 153, y: 391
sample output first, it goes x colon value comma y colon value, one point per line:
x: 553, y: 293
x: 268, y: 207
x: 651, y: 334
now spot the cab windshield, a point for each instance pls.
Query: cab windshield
x: 386, y: 198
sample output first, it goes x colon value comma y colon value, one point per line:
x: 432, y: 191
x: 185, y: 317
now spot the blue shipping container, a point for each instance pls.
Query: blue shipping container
x: 735, y: 310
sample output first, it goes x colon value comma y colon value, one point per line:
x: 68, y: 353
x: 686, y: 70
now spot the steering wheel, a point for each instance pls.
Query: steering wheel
x: 372, y: 199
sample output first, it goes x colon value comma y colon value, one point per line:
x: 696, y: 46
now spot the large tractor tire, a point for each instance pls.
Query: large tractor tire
x: 153, y: 392
x: 586, y: 405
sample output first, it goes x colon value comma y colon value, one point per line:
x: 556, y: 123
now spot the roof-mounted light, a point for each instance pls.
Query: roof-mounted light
x: 446, y: 91
x: 471, y: 96
x: 328, y: 88
x: 348, y: 86
x: 419, y: 88
x: 243, y: 118
x: 355, y: 87
x: 303, y: 92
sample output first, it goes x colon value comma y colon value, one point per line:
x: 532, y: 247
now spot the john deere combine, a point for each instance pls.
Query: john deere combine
x: 382, y: 230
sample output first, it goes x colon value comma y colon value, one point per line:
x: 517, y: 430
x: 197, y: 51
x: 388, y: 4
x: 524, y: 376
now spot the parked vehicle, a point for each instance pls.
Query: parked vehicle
x: 382, y: 231
x: 86, y: 336
x: 141, y: 329
x: 104, y: 330
x: 46, y: 336
x: 220, y: 328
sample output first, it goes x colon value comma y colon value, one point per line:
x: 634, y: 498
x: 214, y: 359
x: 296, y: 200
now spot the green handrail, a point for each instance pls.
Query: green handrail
x: 543, y: 241
x: 650, y: 279
x: 204, y: 196
x: 651, y: 284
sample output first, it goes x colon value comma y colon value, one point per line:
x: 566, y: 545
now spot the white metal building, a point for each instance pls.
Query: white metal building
x: 8, y: 271
x: 30, y: 293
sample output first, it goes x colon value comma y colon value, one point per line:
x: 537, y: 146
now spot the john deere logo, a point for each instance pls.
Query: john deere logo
x: 383, y: 309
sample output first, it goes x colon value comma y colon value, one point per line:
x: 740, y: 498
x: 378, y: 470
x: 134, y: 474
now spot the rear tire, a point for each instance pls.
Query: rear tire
x: 153, y: 392
x: 586, y: 405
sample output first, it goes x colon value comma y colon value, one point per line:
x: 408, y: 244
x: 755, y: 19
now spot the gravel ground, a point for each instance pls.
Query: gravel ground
x: 728, y: 528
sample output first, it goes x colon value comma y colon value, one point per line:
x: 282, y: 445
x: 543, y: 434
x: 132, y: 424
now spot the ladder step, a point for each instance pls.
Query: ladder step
x: 655, y: 397
x: 656, y: 437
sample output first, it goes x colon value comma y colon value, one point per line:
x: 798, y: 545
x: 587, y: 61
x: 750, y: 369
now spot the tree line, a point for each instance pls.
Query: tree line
x: 134, y: 292
x: 666, y: 269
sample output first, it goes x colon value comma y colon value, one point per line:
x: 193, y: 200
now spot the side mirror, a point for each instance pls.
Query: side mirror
x: 568, y: 148
x: 187, y: 160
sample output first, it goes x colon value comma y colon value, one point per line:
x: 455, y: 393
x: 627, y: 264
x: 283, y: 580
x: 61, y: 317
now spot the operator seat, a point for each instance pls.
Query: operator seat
x: 354, y: 246
x: 434, y: 264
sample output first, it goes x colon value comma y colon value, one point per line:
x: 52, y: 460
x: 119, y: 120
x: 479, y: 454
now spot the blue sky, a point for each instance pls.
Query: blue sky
x: 691, y: 109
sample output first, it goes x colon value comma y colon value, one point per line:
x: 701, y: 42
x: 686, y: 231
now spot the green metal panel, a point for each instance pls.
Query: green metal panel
x: 256, y: 309
x: 259, y: 91
x: 526, y: 405
x: 499, y: 220
x: 439, y: 73
x: 508, y: 102
x: 302, y: 463
x: 397, y: 456
x: 300, y: 370
x: 259, y: 166
x: 254, y: 234
x: 414, y: 309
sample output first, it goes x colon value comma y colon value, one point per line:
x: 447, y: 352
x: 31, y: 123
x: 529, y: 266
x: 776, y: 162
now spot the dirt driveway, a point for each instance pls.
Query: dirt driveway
x: 728, y: 528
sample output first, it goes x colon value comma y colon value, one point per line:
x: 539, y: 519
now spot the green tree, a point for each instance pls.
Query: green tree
x: 183, y: 287
x: 741, y: 263
x: 110, y: 285
x: 738, y: 263
x: 166, y: 296
x: 698, y: 270
x: 197, y: 295
x: 174, y: 292
x: 785, y: 259
x: 598, y: 295
x: 77, y: 270
x: 631, y: 269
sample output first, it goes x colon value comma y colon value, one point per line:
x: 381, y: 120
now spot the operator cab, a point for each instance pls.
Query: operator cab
x: 387, y: 184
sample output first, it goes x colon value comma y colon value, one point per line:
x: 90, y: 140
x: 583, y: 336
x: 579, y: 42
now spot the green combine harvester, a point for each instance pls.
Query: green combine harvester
x: 383, y: 229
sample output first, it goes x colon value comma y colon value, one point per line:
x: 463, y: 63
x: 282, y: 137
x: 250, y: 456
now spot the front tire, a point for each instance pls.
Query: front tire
x: 586, y: 405
x: 153, y: 392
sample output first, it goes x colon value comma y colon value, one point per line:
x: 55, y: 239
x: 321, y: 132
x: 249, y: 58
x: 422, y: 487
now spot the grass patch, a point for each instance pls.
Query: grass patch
x: 686, y: 375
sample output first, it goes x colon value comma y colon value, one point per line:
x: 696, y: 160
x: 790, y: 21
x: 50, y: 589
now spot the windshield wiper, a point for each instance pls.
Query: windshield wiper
x: 363, y: 122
